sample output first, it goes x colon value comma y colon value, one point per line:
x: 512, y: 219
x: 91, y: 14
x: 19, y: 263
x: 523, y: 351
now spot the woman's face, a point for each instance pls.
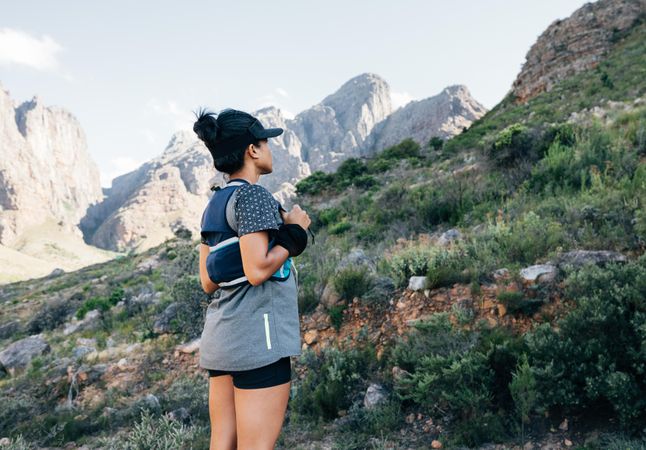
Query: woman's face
x: 264, y: 163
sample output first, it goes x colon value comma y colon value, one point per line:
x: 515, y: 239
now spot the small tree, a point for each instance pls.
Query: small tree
x: 523, y: 391
x: 436, y: 143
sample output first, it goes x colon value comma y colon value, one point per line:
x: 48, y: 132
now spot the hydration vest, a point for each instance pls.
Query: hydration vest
x: 220, y: 230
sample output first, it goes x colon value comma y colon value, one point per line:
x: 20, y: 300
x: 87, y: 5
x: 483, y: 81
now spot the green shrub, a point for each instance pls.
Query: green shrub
x: 193, y: 301
x: 100, y: 303
x: 523, y: 391
x: 316, y: 183
x: 336, y: 315
x: 333, y: 378
x: 436, y: 143
x: 515, y: 301
x: 50, y: 316
x: 572, y: 365
x: 150, y: 432
x: 412, y: 260
x: 339, y: 228
x: 447, y: 267
x: 352, y: 282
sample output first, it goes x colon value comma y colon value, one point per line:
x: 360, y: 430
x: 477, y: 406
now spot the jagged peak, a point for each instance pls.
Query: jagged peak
x: 179, y: 139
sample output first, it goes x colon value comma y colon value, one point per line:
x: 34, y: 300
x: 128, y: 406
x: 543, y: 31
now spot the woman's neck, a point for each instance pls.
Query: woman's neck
x: 251, y: 176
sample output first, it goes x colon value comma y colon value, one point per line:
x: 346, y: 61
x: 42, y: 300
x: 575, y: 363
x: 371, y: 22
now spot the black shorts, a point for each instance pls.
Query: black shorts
x: 278, y: 372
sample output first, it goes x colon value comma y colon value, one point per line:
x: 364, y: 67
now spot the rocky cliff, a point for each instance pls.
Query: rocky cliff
x: 336, y: 128
x: 443, y: 115
x: 575, y: 44
x: 45, y: 169
x: 144, y: 207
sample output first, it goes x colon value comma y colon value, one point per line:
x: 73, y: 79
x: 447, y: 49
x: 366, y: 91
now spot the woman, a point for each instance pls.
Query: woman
x: 252, y: 326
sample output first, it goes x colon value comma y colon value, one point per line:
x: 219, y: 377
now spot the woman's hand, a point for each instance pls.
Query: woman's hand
x: 297, y: 216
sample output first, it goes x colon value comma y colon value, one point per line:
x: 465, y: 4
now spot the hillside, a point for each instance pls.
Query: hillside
x: 484, y: 291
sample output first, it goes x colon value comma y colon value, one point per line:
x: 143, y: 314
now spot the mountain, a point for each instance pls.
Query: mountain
x: 335, y: 128
x: 575, y: 44
x: 443, y: 115
x: 47, y: 182
x: 144, y: 207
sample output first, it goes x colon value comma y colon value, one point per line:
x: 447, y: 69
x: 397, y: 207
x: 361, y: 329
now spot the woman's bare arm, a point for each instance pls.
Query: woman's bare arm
x: 258, y: 263
x: 207, y: 285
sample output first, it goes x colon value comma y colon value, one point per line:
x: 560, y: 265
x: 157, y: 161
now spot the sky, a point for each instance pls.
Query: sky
x: 133, y: 72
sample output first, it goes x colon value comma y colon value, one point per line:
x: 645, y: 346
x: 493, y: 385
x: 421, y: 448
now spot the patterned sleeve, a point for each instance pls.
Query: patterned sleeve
x: 256, y: 210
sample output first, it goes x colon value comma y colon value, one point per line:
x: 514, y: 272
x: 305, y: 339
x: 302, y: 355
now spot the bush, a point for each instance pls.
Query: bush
x: 316, y: 183
x: 436, y: 143
x: 352, y: 282
x: 160, y: 433
x: 192, y: 302
x: 50, y: 316
x: 334, y: 378
x: 515, y: 301
x: 573, y: 367
x: 100, y: 303
x: 336, y: 315
x: 413, y: 260
x: 459, y: 374
x: 455, y: 383
x: 339, y: 228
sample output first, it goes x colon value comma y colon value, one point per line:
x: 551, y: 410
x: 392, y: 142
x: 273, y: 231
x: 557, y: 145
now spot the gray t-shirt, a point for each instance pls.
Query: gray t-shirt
x: 251, y: 326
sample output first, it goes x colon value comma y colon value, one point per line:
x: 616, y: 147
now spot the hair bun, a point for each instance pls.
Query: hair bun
x: 206, y: 127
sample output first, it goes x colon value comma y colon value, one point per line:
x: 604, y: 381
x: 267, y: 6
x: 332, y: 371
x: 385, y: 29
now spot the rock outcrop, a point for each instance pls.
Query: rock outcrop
x: 143, y: 208
x: 45, y: 169
x: 572, y: 45
x: 443, y: 115
x: 335, y: 129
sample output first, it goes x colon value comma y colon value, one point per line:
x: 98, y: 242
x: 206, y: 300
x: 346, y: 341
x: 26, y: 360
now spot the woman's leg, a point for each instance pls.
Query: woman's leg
x: 260, y: 414
x: 222, y: 413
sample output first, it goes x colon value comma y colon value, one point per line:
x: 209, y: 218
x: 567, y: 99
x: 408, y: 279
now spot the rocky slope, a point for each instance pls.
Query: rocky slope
x: 577, y: 43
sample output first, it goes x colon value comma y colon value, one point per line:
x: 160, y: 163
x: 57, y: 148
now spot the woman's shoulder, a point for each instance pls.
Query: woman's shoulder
x: 254, y: 194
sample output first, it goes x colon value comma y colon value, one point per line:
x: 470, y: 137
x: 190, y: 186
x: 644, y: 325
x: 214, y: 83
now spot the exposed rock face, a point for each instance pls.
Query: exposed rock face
x: 288, y: 165
x: 145, y: 206
x: 45, y: 169
x: 443, y: 115
x: 575, y: 44
x: 335, y: 128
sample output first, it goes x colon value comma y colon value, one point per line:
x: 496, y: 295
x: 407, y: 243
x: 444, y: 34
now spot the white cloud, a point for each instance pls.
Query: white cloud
x: 181, y: 118
x: 20, y: 48
x: 119, y: 166
x: 399, y: 99
x: 150, y: 135
x: 282, y: 92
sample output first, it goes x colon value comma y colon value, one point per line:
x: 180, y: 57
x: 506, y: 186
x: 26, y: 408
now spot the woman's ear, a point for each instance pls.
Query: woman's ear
x: 253, y: 151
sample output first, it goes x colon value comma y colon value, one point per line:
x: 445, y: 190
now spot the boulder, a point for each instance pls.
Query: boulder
x: 417, y: 283
x: 8, y: 329
x: 381, y: 288
x: 538, y: 273
x: 356, y: 258
x: 19, y: 354
x: 579, y: 258
x: 330, y: 297
x: 82, y: 350
x: 375, y: 394
x: 449, y: 236
x: 162, y: 324
x: 89, y: 322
